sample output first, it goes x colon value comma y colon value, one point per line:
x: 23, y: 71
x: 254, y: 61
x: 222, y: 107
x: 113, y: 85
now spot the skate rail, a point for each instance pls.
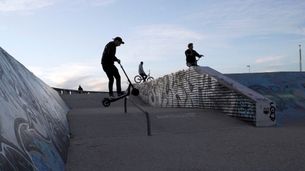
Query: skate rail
x: 204, y: 87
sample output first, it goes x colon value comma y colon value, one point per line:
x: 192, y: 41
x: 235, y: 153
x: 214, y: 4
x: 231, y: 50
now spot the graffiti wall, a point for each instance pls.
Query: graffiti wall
x: 203, y: 87
x: 287, y: 89
x: 33, y: 125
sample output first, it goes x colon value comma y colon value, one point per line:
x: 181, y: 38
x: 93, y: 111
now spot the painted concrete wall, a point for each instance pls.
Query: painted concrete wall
x: 287, y: 89
x: 33, y: 124
x: 203, y: 87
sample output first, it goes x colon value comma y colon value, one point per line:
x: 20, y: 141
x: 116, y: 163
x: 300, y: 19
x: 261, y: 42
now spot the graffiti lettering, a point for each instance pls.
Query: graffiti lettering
x: 272, y: 112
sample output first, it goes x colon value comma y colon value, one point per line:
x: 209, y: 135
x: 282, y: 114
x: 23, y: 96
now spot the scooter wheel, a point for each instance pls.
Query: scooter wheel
x: 106, y: 102
x: 135, y: 92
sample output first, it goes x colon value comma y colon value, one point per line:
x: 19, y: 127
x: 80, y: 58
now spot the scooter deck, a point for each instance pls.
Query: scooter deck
x: 108, y: 100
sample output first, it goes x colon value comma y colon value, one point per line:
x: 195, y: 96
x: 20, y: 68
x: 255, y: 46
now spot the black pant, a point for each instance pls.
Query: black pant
x: 112, y: 72
x: 144, y: 76
x: 189, y: 64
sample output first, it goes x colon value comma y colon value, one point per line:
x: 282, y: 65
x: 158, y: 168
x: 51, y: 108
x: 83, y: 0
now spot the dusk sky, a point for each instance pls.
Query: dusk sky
x: 61, y: 41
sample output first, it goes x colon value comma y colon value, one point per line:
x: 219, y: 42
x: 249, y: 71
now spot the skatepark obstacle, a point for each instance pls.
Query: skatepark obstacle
x: 204, y: 87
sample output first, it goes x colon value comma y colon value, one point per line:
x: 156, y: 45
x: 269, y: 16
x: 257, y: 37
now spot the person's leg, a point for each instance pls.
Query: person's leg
x: 109, y: 74
x: 117, y: 77
x: 144, y: 76
x: 193, y: 64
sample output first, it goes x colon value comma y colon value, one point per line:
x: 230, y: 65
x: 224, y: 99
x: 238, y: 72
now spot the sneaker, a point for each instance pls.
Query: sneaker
x: 121, y: 93
x: 111, y: 95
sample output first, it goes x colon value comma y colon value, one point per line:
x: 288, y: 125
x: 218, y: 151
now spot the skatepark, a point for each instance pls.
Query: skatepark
x: 199, y: 119
x: 181, y: 139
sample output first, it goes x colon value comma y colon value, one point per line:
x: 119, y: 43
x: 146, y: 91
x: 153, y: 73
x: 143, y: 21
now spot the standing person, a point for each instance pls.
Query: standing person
x: 110, y: 69
x: 191, y: 55
x: 80, y: 89
x: 142, y: 72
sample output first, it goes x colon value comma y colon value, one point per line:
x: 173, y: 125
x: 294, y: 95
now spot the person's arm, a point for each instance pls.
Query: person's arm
x: 112, y: 51
x: 197, y: 54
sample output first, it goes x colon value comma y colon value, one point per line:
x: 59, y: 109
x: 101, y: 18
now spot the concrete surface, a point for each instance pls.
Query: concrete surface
x: 34, y: 132
x: 182, y: 139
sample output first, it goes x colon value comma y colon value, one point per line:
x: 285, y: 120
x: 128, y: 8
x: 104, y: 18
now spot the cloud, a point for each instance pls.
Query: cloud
x: 252, y: 17
x: 167, y: 32
x: 268, y: 59
x: 155, y: 42
x: 92, y: 3
x: 90, y: 77
x: 101, y: 2
x: 27, y: 5
x: 160, y: 46
x: 23, y: 5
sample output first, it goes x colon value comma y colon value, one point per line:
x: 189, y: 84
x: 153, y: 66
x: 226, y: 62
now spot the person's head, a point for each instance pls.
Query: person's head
x: 141, y: 62
x: 190, y: 45
x: 118, y: 41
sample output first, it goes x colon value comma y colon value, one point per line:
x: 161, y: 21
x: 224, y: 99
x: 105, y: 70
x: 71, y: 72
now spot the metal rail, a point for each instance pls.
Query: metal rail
x: 148, y: 125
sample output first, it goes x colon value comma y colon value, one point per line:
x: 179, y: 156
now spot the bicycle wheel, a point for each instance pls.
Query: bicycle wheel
x: 137, y: 79
x: 149, y: 78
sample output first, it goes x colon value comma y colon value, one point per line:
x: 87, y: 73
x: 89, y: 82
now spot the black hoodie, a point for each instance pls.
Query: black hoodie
x: 109, y: 54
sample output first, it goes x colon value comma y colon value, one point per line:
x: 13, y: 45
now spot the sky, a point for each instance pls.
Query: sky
x: 61, y: 41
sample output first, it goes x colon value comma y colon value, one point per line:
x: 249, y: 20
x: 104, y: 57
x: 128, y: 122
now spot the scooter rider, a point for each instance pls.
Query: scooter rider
x: 110, y: 69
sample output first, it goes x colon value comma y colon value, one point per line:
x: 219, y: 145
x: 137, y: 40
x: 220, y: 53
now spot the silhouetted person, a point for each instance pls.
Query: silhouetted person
x: 80, y: 89
x: 142, y: 72
x: 191, y: 55
x: 108, y: 60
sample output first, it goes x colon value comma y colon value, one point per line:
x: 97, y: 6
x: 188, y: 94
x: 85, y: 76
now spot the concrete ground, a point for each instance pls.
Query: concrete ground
x: 182, y: 139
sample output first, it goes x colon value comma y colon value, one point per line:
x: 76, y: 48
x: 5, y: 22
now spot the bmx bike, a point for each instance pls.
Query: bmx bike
x: 139, y: 78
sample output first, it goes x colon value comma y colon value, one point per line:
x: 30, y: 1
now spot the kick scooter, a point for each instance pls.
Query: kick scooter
x: 131, y: 89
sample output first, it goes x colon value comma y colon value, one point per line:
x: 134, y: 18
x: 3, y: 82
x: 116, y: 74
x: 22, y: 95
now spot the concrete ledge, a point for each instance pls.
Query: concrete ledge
x: 203, y: 87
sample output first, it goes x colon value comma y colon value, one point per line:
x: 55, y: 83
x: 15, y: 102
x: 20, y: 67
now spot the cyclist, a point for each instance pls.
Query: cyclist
x: 142, y: 72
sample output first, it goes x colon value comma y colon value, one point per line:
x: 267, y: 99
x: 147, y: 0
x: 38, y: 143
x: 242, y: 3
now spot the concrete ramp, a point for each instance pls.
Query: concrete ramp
x: 287, y: 89
x: 33, y: 125
x: 203, y: 87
